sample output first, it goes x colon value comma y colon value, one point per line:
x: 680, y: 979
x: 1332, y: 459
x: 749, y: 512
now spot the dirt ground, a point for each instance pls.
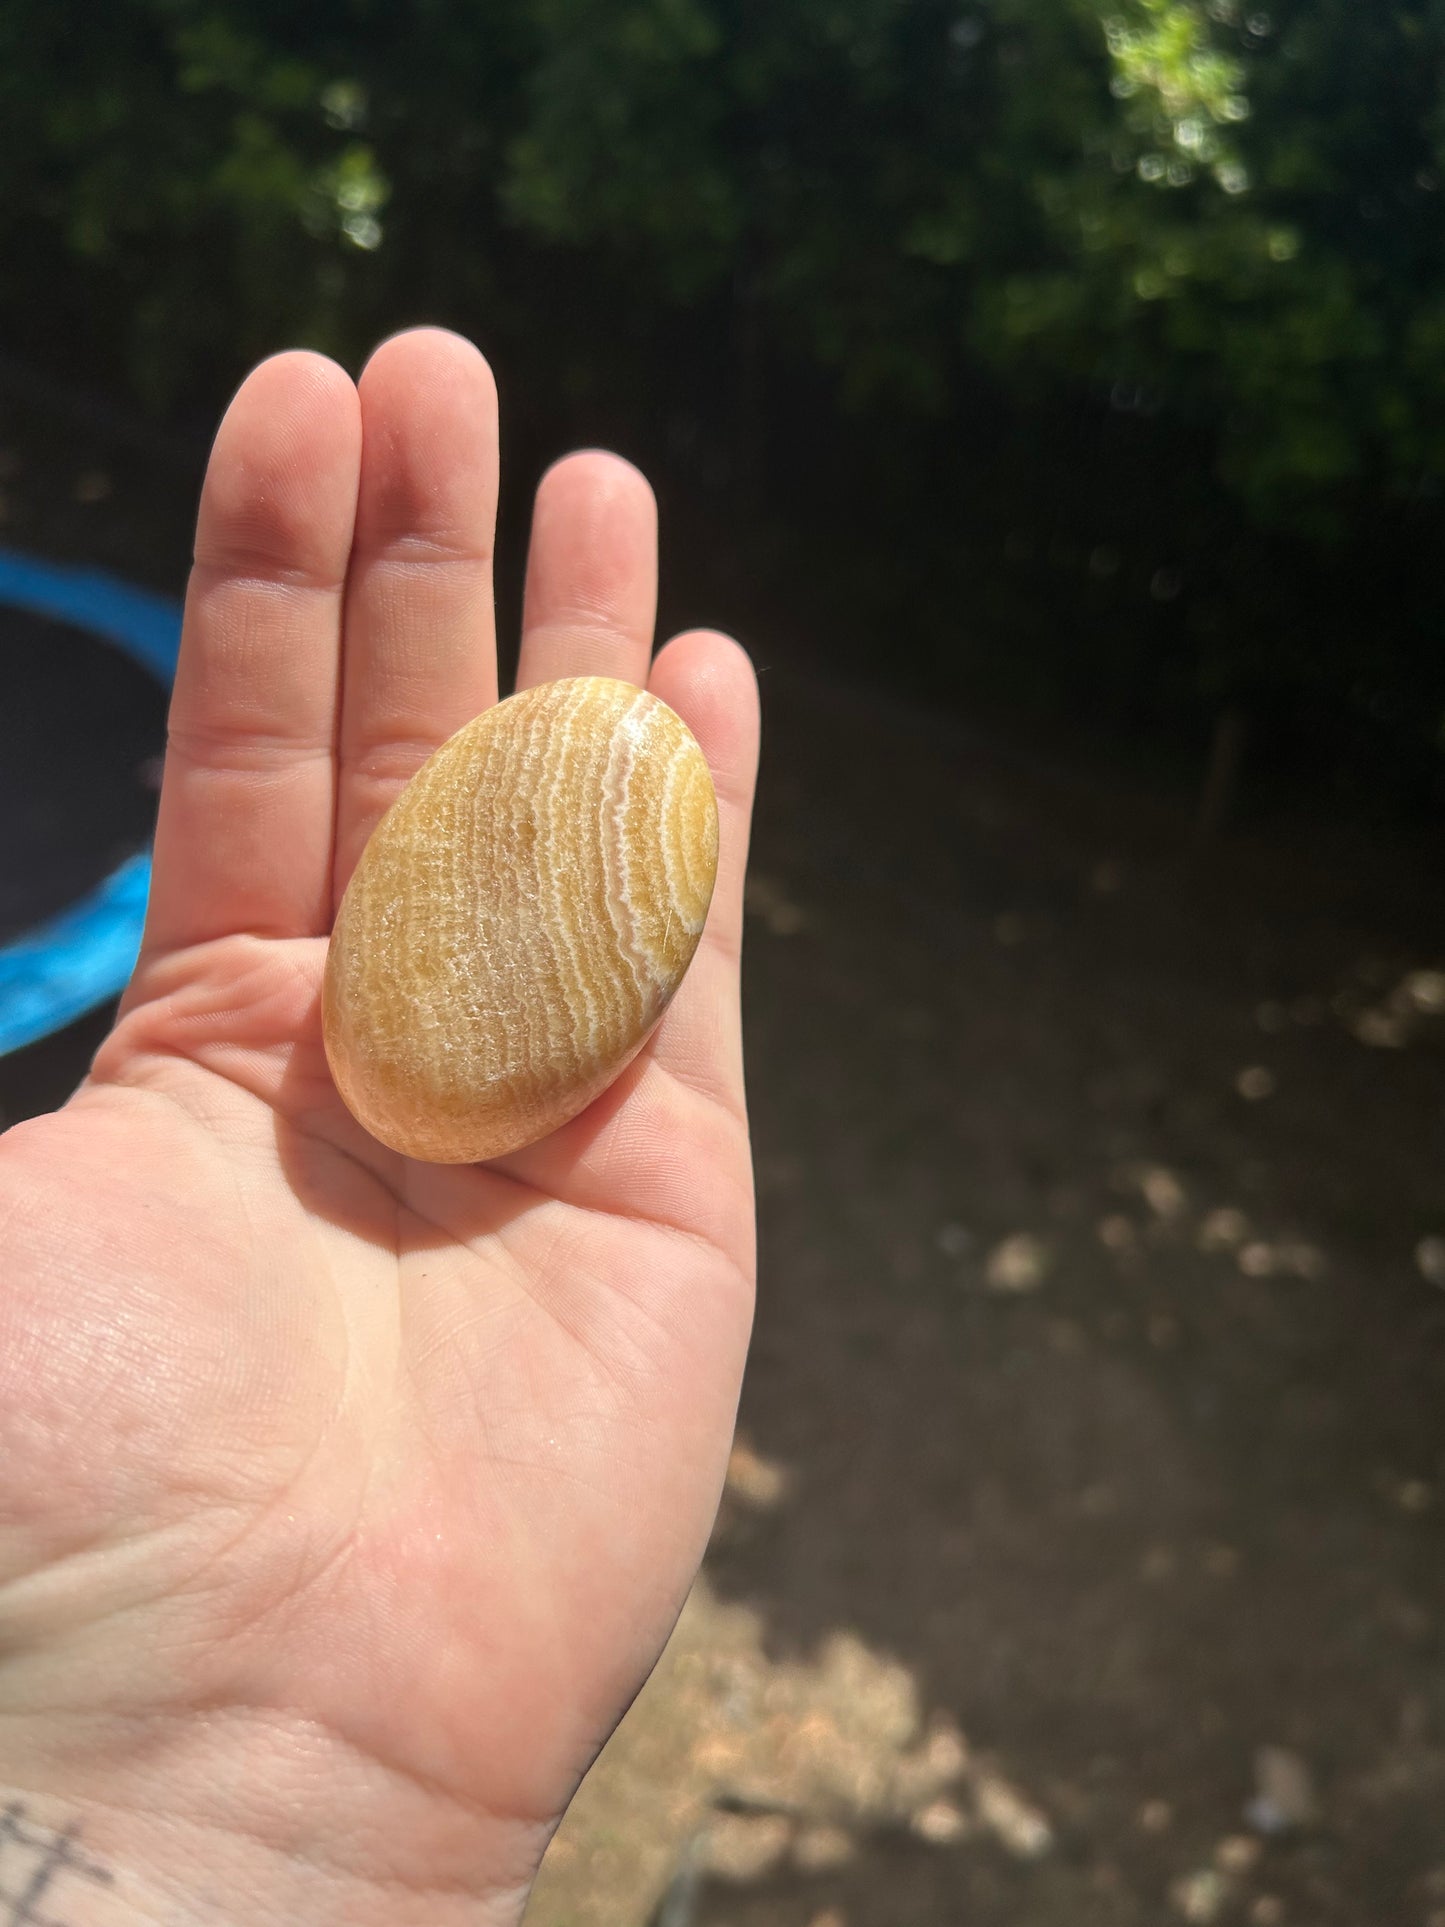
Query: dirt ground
x: 1088, y: 1519
x: 1082, y: 1560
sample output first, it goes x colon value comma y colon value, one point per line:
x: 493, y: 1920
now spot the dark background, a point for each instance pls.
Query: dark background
x: 1052, y: 395
x: 1084, y: 353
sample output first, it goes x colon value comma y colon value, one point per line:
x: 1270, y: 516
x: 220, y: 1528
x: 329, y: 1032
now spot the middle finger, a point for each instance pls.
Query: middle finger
x: 421, y: 651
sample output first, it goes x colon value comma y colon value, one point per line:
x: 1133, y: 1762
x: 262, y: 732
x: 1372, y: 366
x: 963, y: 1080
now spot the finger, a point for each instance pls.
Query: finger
x: 708, y: 679
x: 421, y: 656
x: 244, y: 836
x: 591, y: 596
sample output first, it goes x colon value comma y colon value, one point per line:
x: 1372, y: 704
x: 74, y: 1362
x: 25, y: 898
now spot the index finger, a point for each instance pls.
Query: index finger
x: 243, y: 841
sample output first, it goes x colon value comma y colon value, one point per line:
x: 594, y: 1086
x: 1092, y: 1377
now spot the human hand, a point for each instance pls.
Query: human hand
x: 346, y: 1501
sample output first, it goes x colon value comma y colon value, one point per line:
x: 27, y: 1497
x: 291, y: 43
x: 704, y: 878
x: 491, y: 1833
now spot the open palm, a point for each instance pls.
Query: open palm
x: 345, y: 1501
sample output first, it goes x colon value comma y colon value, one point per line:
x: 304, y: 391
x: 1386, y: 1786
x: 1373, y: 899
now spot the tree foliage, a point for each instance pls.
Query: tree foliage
x: 1239, y: 208
x: 1225, y: 215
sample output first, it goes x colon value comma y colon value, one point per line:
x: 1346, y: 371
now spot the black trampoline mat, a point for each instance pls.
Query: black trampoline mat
x: 81, y: 727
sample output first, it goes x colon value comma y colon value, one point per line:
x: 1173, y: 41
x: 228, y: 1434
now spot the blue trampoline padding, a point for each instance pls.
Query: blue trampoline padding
x: 147, y: 627
x: 56, y: 972
x: 61, y: 969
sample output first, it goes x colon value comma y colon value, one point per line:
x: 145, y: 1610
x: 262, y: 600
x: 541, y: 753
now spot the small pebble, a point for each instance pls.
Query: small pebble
x: 946, y: 1752
x: 1258, y: 1260
x: 1255, y: 1083
x: 1284, y: 1799
x: 1017, y: 1826
x: 1116, y: 1232
x: 1237, y: 1853
x: 821, y: 1849
x: 1304, y: 1260
x: 760, y: 1483
x: 1380, y: 1029
x: 940, y: 1823
x: 1200, y: 1897
x: 1223, y: 1229
x: 1017, y: 1264
x: 1426, y: 991
x: 1163, y: 1192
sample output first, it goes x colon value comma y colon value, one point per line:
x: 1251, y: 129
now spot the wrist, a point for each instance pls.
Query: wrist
x: 239, y: 1853
x: 50, y: 1872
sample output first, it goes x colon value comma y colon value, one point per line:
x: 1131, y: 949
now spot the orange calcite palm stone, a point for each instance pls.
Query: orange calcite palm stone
x: 520, y: 920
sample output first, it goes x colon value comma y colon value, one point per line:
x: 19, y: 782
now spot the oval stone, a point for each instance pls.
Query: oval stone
x: 519, y: 920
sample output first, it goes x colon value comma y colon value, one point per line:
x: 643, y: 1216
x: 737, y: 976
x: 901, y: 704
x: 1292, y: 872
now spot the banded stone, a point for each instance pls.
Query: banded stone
x: 520, y: 920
